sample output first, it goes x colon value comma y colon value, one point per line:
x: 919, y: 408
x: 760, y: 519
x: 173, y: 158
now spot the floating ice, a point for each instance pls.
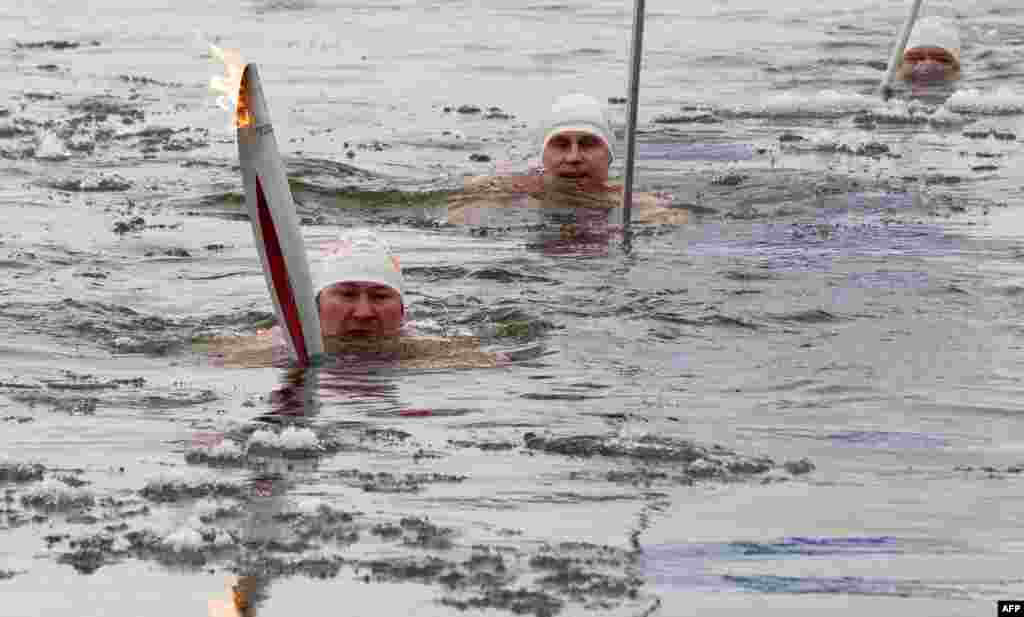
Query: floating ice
x: 311, y: 506
x: 291, y: 438
x: 191, y: 484
x: 51, y: 148
x: 185, y: 539
x: 53, y: 494
x: 223, y: 538
x: 946, y: 117
x: 824, y: 104
x: 1002, y: 101
x: 899, y: 112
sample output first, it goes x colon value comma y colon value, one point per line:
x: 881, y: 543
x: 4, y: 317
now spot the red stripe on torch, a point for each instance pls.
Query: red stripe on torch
x: 279, y: 274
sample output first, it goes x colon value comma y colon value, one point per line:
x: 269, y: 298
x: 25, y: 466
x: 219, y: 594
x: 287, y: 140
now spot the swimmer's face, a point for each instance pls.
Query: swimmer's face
x: 579, y: 156
x: 360, y: 309
x: 924, y: 64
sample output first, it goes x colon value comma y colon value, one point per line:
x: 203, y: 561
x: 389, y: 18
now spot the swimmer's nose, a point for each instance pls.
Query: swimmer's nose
x: 363, y: 308
x: 574, y: 152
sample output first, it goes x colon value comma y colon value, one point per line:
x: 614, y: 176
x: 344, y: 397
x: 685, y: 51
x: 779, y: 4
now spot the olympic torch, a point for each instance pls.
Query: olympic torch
x: 275, y: 224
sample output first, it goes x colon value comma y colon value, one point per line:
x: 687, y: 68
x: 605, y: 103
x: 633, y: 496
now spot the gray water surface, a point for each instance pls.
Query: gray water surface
x: 806, y: 399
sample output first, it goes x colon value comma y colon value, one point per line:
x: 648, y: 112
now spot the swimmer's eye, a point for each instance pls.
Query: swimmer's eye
x: 935, y: 56
x: 381, y: 296
x: 589, y: 142
x: 560, y: 142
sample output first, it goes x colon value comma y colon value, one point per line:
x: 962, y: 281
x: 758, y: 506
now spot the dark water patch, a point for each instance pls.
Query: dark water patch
x: 16, y: 128
x: 12, y: 264
x: 21, y: 473
x: 991, y: 471
x: 486, y: 446
x: 436, y: 412
x: 169, y: 490
x: 943, y: 179
x: 138, y: 80
x: 555, y: 396
x: 505, y: 275
x: 714, y: 319
x: 729, y: 179
x: 835, y: 45
x: 508, y: 322
x: 282, y: 6
x: 186, y: 549
x: 92, y: 553
x: 808, y: 316
x: 156, y: 139
x: 17, y: 419
x: 517, y: 601
x: 41, y: 96
x: 57, y: 496
x: 229, y: 206
x: 94, y: 184
x: 118, y: 328
x: 71, y: 405
x: 701, y: 117
x: 363, y: 199
x: 991, y: 132
x: 223, y: 275
x: 222, y: 455
x: 700, y: 461
x: 423, y: 569
x: 846, y: 585
x: 799, y: 468
x: 912, y: 117
x: 747, y: 276
x: 385, y: 482
x: 694, y: 152
x: 100, y: 108
x: 71, y: 380
x: 55, y: 45
x: 247, y: 320
x: 433, y: 274
x: 6, y: 575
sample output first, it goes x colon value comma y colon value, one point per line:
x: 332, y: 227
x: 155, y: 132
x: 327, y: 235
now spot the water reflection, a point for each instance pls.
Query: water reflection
x: 284, y: 447
x: 558, y: 215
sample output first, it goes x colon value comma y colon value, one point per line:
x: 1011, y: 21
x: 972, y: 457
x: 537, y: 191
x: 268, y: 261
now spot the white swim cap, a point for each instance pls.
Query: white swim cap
x: 357, y: 256
x: 579, y: 112
x: 936, y: 32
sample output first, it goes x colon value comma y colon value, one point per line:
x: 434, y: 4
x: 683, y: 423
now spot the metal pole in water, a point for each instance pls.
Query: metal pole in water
x: 897, y: 51
x: 636, y: 55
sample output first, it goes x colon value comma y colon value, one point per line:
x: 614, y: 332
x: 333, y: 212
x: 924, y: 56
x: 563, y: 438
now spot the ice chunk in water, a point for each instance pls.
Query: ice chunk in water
x: 51, y: 148
x: 1002, y: 101
x: 292, y: 438
x: 185, y: 539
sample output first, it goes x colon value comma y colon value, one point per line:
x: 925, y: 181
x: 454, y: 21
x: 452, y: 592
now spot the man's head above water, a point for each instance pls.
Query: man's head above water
x: 933, y: 52
x: 577, y: 141
x: 359, y: 284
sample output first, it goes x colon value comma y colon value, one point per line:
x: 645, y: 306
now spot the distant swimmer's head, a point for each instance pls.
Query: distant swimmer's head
x: 577, y: 140
x: 359, y: 283
x: 933, y: 52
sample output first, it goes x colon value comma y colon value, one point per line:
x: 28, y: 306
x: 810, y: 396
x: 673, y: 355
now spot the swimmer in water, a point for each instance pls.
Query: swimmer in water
x: 932, y: 55
x: 576, y: 153
x: 360, y: 288
x: 362, y: 311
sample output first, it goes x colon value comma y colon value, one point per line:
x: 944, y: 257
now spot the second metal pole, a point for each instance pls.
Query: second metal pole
x: 636, y: 56
x: 897, y: 51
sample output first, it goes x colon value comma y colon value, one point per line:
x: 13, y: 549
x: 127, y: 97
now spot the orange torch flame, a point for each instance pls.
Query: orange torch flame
x: 231, y: 87
x: 243, y: 117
